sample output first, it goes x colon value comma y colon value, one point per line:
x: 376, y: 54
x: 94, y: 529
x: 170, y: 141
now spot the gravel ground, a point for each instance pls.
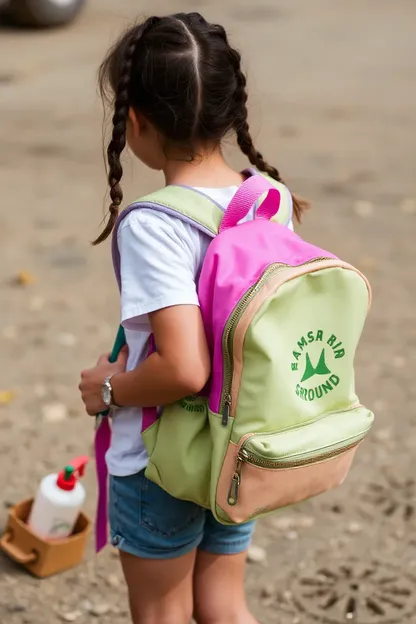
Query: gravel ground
x: 333, y: 104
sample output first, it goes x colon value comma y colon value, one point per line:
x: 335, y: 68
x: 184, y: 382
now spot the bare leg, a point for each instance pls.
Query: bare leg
x: 219, y: 596
x: 160, y: 591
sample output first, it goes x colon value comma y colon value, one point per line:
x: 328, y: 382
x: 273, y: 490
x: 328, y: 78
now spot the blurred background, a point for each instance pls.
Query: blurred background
x: 332, y: 100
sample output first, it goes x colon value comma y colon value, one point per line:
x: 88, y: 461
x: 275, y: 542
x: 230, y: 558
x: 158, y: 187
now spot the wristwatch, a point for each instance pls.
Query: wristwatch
x: 107, y: 392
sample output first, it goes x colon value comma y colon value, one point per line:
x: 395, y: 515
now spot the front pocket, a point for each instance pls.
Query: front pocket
x: 180, y: 447
x: 267, y: 472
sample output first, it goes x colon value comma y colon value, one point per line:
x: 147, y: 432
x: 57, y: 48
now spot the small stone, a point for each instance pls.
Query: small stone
x: 306, y: 522
x: 367, y: 263
x: 113, y: 580
x: 256, y: 554
x: 408, y: 206
x: 288, y: 131
x: 72, y: 616
x: 99, y: 609
x: 67, y: 340
x: 17, y: 607
x: 86, y: 605
x: 54, y: 412
x: 39, y: 390
x: 287, y: 596
x: 36, y: 304
x: 363, y: 208
x: 340, y: 112
x: 292, y: 535
x: 379, y: 405
x: 383, y: 435
x: 354, y: 528
x: 283, y: 523
x: 267, y: 591
x: 399, y: 361
x: 10, y: 332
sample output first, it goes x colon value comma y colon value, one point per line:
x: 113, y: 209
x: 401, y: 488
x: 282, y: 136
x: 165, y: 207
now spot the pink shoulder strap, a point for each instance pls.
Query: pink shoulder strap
x: 248, y: 193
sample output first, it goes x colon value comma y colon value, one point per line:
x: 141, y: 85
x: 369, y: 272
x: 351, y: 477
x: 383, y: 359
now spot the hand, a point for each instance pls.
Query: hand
x: 92, y: 380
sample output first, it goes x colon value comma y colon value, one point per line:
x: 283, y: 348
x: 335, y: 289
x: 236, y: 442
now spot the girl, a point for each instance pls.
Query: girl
x: 177, y: 89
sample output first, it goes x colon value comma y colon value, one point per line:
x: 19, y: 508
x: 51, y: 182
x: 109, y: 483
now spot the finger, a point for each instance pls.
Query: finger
x: 103, y: 359
x: 122, y: 356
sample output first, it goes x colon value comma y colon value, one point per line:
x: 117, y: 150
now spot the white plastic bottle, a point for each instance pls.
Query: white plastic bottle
x: 58, y: 502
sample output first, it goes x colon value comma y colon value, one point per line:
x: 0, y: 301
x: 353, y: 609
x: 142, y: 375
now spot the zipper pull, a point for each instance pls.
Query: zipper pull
x: 226, y: 410
x: 235, y: 482
x: 234, y: 488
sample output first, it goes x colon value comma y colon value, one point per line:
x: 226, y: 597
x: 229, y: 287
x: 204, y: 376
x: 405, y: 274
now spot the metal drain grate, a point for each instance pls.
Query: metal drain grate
x: 358, y: 592
x: 393, y: 498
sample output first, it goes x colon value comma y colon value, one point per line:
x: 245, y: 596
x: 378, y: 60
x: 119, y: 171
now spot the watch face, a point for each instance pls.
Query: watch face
x: 106, y: 393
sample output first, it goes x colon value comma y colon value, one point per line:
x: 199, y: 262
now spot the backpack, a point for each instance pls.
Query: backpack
x: 280, y: 421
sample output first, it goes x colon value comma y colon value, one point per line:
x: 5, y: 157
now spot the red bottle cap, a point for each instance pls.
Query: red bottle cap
x: 67, y: 478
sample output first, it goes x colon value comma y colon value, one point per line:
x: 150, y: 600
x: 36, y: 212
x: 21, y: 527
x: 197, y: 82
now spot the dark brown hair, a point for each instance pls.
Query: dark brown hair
x: 181, y: 73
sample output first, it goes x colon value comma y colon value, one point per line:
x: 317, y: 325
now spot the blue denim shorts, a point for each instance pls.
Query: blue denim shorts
x: 148, y: 522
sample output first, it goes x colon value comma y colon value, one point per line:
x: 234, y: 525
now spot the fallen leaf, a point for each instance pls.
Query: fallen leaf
x: 25, y: 278
x: 6, y: 397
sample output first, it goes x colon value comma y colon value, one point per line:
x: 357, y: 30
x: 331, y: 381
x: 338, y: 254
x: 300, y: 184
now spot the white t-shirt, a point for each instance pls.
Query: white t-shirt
x: 161, y: 258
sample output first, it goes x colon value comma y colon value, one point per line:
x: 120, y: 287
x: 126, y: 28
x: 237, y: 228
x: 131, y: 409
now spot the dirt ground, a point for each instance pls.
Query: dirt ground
x: 333, y: 104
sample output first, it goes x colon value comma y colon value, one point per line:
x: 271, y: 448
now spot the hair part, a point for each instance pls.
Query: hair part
x: 180, y: 73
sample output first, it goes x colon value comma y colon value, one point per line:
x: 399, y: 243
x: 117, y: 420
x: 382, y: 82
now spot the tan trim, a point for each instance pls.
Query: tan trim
x: 263, y: 490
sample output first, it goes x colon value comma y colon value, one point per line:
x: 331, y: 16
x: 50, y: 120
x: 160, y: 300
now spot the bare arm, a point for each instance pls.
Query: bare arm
x: 181, y: 365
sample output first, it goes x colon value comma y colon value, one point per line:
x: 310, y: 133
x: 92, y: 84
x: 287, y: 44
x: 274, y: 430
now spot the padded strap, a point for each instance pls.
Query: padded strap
x: 185, y: 203
x: 192, y: 205
x: 196, y: 208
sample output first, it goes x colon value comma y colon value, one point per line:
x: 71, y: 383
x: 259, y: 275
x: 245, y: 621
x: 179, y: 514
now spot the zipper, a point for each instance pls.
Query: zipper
x: 226, y: 410
x: 229, y: 330
x: 236, y: 478
x: 244, y: 456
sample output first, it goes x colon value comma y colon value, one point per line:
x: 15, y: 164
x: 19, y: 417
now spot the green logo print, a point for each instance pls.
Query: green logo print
x: 320, y: 369
x: 316, y: 366
x: 193, y: 403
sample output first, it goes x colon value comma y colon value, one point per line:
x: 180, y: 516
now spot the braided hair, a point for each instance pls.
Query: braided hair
x: 181, y: 73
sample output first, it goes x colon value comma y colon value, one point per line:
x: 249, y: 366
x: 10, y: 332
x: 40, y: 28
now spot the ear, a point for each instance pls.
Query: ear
x: 134, y: 120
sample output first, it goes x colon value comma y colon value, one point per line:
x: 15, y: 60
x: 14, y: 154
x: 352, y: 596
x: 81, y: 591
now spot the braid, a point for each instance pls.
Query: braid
x: 118, y: 138
x: 242, y: 129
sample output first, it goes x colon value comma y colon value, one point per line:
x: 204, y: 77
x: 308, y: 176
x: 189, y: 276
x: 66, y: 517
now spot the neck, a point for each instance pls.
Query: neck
x: 209, y: 169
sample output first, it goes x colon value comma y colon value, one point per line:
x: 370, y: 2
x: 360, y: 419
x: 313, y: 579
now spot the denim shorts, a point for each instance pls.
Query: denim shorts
x: 148, y: 522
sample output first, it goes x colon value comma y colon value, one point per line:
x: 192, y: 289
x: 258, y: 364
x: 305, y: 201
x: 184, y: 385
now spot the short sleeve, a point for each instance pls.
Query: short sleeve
x: 158, y: 265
